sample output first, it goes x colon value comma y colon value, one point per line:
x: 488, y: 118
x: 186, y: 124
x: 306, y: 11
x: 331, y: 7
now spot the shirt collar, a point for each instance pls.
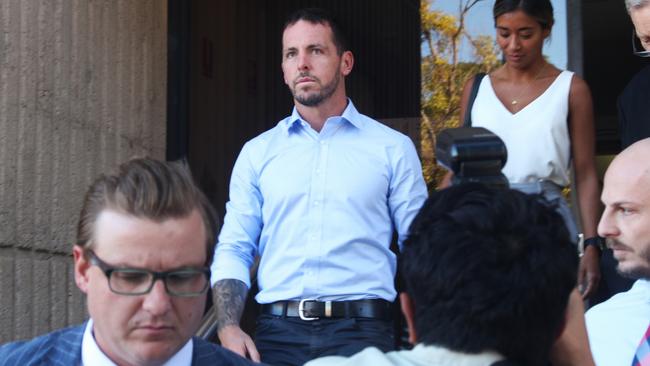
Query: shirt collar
x: 350, y: 114
x: 91, y: 354
x: 441, y: 355
x: 643, y: 285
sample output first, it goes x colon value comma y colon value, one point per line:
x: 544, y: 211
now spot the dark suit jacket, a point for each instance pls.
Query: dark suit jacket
x: 633, y: 109
x: 63, y: 348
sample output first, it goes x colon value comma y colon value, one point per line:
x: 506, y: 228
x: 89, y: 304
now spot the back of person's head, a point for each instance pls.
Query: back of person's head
x: 321, y: 16
x: 149, y: 189
x: 636, y: 4
x: 489, y: 269
x: 540, y: 10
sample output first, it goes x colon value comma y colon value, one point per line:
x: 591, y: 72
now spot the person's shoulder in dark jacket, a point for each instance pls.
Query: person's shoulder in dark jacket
x: 633, y: 112
x: 61, y: 347
x: 640, y: 81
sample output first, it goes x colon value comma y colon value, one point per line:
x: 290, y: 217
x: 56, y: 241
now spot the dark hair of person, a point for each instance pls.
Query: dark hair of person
x: 489, y: 269
x: 321, y: 16
x: 540, y: 10
x: 150, y: 189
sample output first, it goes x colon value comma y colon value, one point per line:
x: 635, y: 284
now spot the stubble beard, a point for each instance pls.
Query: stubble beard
x: 636, y: 272
x: 314, y: 99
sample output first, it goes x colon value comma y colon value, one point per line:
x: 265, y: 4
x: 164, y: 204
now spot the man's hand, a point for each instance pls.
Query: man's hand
x: 589, y: 272
x: 236, y: 340
x: 229, y: 299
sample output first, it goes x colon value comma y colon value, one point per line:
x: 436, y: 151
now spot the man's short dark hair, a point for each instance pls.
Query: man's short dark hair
x: 150, y: 189
x: 489, y: 269
x: 321, y: 16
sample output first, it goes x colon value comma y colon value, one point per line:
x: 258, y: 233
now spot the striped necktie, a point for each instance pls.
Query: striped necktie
x: 642, y: 355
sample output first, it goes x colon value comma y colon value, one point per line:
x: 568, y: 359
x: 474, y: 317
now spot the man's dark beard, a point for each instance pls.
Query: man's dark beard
x: 638, y: 272
x: 316, y: 99
x: 635, y: 273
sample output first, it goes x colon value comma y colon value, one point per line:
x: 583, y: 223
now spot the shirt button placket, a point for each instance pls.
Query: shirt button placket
x: 317, y: 207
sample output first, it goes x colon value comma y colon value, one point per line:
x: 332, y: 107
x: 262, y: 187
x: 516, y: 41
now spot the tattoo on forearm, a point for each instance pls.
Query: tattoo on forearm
x: 229, y: 300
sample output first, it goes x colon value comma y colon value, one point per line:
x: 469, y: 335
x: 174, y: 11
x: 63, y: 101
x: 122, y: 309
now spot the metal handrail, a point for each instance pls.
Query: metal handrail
x: 208, y: 328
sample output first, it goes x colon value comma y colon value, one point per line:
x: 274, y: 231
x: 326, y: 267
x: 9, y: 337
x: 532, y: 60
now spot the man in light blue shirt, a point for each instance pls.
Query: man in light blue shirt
x: 618, y: 328
x: 317, y: 198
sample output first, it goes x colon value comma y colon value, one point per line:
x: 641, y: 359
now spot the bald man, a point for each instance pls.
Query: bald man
x: 619, y: 328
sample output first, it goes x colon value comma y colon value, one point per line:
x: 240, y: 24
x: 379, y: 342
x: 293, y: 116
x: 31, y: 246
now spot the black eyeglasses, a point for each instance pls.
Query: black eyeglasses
x: 185, y: 282
x: 637, y: 47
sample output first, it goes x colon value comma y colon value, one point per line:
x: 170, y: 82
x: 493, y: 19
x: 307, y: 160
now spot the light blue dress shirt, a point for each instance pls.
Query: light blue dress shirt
x: 320, y: 209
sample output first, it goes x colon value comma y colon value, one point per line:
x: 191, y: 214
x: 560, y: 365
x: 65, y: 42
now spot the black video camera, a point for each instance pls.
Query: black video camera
x: 473, y: 154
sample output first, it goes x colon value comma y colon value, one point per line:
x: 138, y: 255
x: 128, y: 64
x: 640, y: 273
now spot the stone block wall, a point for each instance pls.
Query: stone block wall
x: 82, y: 88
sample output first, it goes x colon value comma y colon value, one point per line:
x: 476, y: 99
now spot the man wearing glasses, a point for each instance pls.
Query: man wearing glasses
x: 633, y: 111
x: 634, y: 125
x: 145, y: 239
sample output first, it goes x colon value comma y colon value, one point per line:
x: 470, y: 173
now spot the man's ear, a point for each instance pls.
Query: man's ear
x: 81, y: 266
x: 408, y: 309
x: 347, y: 62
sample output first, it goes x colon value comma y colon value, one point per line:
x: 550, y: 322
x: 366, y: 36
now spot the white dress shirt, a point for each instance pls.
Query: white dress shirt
x: 91, y: 355
x: 421, y: 355
x: 616, y: 326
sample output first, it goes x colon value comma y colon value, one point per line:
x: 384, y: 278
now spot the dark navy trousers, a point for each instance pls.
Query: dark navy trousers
x: 292, y: 341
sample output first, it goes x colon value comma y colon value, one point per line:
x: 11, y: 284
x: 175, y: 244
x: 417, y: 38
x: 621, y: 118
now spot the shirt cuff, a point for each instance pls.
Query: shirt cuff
x: 229, y: 268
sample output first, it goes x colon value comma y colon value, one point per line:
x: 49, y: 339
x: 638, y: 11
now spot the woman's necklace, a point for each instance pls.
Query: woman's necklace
x: 526, y: 87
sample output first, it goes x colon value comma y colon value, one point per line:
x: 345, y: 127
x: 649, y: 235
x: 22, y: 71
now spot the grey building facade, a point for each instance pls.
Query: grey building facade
x: 86, y: 84
x: 82, y: 87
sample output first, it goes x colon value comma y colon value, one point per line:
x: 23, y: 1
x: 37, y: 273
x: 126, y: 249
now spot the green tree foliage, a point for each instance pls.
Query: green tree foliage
x: 443, y: 74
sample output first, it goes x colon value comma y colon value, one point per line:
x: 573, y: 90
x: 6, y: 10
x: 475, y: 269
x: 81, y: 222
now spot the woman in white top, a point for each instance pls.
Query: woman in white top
x: 545, y: 117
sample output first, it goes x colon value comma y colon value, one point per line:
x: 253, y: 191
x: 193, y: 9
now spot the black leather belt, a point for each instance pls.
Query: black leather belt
x: 312, y: 309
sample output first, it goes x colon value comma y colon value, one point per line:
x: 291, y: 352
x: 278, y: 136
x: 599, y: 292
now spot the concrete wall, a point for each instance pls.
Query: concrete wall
x: 82, y: 87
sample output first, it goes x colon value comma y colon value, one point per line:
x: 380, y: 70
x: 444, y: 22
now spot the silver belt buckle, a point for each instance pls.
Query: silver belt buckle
x: 301, y: 310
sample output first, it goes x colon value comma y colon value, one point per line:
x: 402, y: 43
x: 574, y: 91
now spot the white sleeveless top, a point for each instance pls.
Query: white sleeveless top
x: 536, y: 137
